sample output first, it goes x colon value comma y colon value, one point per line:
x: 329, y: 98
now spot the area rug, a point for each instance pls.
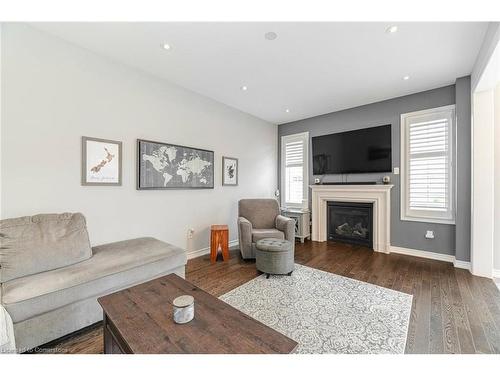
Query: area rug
x: 327, y: 313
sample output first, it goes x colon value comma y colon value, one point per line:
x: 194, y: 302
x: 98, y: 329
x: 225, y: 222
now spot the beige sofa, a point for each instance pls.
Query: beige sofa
x: 50, y: 277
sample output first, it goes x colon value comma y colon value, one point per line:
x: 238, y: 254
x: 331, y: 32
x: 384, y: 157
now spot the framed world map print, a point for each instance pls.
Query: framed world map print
x: 229, y: 171
x: 168, y: 166
x: 101, y: 162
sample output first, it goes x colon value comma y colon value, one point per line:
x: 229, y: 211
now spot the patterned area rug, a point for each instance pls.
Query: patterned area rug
x: 327, y: 313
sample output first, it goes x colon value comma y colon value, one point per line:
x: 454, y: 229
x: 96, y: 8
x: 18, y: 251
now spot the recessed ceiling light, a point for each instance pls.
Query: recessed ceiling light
x: 244, y: 88
x: 271, y: 35
x: 166, y: 46
x: 406, y: 78
x: 391, y: 29
x: 287, y: 110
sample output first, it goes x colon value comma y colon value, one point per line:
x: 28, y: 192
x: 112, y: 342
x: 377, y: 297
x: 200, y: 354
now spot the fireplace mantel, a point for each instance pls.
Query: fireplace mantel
x: 379, y: 195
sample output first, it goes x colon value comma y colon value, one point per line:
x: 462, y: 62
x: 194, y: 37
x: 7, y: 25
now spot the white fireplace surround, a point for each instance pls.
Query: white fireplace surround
x: 379, y: 195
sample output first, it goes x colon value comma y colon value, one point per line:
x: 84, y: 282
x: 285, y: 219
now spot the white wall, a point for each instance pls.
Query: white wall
x: 483, y: 177
x: 496, y: 254
x: 490, y: 42
x: 485, y: 229
x: 1, y: 117
x: 53, y: 93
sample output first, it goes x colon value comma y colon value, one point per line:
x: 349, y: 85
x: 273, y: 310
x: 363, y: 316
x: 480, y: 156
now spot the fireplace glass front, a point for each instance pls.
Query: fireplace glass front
x: 351, y: 222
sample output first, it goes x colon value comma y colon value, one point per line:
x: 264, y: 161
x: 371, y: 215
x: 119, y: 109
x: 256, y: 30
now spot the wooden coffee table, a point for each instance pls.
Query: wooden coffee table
x: 139, y: 320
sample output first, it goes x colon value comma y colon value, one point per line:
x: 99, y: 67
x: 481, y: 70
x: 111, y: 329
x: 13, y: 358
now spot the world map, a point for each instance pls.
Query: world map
x: 175, y: 166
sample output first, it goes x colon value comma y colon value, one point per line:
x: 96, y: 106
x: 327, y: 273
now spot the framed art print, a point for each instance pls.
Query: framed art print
x: 101, y: 162
x: 168, y: 166
x: 229, y: 171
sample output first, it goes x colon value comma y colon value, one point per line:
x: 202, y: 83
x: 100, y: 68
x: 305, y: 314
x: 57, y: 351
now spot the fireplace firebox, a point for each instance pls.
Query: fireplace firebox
x: 351, y: 222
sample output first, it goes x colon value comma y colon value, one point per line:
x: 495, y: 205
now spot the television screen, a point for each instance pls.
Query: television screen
x: 358, y: 151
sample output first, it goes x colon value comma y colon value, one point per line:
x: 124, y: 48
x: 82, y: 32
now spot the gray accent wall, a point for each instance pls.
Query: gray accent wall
x: 408, y: 234
x: 463, y: 168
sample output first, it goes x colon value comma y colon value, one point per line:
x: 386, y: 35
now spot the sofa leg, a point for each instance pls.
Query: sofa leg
x: 290, y: 273
x: 267, y: 276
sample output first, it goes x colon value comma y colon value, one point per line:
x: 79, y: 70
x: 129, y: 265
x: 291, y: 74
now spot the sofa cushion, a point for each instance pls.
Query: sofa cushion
x: 260, y: 212
x: 39, y: 243
x: 259, y: 234
x: 112, y: 267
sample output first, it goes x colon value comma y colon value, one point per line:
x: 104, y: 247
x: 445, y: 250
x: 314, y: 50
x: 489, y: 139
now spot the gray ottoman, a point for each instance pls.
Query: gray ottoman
x: 274, y: 256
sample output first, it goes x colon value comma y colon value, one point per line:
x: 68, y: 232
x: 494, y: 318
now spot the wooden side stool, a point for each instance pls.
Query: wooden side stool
x: 219, y: 236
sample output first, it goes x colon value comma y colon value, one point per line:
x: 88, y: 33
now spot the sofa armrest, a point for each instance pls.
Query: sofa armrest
x: 7, y: 339
x: 245, y: 237
x: 287, y: 226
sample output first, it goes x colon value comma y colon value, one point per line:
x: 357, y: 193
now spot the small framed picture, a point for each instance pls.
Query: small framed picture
x: 101, y: 162
x: 229, y: 171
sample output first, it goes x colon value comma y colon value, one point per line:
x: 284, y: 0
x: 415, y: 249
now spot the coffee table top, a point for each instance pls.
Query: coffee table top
x: 143, y: 316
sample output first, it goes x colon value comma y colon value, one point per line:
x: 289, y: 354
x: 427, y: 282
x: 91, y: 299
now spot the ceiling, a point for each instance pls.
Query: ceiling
x: 309, y: 69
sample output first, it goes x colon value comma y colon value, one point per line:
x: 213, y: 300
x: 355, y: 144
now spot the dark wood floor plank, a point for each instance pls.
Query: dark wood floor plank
x: 451, y: 308
x: 450, y: 341
x: 355, y: 259
x: 402, y: 272
x: 392, y: 273
x: 423, y: 311
x: 414, y: 318
x: 380, y: 263
x: 491, y: 296
x: 491, y: 331
x: 366, y: 269
x: 436, y: 319
x: 481, y: 343
x: 461, y: 321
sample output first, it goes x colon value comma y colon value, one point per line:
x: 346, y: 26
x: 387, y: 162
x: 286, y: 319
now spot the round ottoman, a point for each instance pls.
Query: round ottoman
x: 274, y: 256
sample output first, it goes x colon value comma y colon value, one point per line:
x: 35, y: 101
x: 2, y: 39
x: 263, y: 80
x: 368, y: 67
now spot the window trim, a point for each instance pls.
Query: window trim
x: 304, y: 136
x: 423, y: 215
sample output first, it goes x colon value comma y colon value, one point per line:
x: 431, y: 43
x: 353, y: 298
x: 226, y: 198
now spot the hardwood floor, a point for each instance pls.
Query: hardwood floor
x: 452, y: 312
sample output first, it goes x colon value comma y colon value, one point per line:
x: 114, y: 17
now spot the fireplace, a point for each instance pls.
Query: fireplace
x: 378, y: 195
x: 350, y: 222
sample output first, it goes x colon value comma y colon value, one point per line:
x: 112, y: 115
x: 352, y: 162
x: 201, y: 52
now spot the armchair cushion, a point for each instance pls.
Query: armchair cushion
x: 260, y: 212
x: 259, y: 234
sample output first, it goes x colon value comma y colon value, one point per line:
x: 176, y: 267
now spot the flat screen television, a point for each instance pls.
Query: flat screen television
x: 358, y: 151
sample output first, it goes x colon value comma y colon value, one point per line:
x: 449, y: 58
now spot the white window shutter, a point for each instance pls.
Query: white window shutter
x: 294, y: 175
x: 426, y: 154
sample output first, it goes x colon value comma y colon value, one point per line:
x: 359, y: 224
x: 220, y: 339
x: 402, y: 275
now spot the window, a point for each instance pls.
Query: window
x: 294, y: 172
x: 427, y: 189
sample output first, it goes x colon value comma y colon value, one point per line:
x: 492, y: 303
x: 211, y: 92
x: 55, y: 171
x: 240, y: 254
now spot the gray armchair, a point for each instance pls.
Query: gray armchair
x: 260, y: 218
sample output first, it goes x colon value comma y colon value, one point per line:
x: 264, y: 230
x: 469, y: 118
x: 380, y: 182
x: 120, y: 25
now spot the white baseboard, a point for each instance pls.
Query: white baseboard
x: 430, y: 255
x: 496, y: 273
x: 206, y: 250
x: 462, y: 264
x: 423, y: 254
